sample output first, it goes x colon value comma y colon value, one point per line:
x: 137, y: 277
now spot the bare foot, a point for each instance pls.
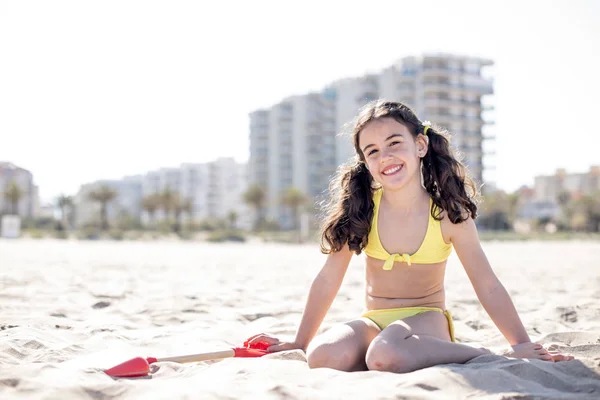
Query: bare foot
x: 537, y: 351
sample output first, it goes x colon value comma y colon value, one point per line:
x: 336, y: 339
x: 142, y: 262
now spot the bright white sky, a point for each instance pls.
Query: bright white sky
x: 101, y: 89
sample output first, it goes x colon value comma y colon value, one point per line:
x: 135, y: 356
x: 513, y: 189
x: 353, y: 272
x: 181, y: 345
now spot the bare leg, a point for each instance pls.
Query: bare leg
x: 403, y: 346
x: 343, y: 347
x: 424, y: 340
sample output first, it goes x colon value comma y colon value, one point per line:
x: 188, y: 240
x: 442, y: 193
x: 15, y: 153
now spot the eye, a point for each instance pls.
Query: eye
x: 370, y: 153
x: 395, y: 142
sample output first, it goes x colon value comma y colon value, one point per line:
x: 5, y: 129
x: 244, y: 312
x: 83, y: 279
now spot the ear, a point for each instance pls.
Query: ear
x: 422, y: 143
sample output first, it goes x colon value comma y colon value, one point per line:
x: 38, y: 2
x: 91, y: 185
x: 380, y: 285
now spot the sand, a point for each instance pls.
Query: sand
x: 70, y: 309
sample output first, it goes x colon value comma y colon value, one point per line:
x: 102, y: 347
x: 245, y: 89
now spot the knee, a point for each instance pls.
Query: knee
x: 330, y: 356
x: 382, y: 356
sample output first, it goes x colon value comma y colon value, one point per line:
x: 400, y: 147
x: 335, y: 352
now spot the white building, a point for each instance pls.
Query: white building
x: 549, y: 188
x: 125, y: 205
x: 292, y: 144
x: 296, y: 142
x: 214, y: 189
x: 28, y: 204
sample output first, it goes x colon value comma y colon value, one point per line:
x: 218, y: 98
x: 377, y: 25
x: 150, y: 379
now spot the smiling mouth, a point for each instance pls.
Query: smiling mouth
x: 391, y: 170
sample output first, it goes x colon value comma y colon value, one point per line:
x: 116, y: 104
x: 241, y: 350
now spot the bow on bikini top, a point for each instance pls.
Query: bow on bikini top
x: 433, y: 250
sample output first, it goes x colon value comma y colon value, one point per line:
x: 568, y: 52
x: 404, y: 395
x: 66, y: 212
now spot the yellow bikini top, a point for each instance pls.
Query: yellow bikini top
x: 432, y: 251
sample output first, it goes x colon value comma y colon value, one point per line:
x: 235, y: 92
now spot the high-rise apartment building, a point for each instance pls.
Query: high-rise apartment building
x: 295, y: 143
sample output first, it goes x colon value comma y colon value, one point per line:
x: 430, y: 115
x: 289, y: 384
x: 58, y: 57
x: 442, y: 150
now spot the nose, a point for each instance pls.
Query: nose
x: 385, y: 154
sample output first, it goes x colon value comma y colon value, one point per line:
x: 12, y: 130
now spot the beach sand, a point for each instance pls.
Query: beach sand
x: 70, y: 309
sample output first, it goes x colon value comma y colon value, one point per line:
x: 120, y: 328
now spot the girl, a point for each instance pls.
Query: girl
x: 406, y: 202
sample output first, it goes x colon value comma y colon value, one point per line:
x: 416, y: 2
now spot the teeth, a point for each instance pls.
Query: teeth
x: 391, y: 171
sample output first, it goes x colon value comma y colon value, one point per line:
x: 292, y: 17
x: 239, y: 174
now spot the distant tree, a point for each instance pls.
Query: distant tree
x: 232, y: 217
x: 255, y: 196
x: 563, y: 198
x: 495, y: 211
x: 589, y: 209
x: 180, y: 206
x: 150, y: 204
x: 167, y: 200
x: 187, y: 207
x: 293, y: 198
x: 514, y: 202
x: 13, y: 195
x: 65, y: 204
x: 103, y: 195
x: 566, y: 204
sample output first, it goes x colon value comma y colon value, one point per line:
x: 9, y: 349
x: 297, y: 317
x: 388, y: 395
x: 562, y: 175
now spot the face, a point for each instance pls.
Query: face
x: 391, y: 152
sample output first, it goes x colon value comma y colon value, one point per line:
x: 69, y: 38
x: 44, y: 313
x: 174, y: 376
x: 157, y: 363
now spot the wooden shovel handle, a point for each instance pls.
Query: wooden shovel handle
x: 214, y: 355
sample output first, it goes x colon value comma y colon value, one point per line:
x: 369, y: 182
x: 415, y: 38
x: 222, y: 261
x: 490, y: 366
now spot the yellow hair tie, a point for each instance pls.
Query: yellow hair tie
x: 427, y: 125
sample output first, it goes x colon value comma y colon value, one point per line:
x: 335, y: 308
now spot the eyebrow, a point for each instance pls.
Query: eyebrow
x: 388, y: 138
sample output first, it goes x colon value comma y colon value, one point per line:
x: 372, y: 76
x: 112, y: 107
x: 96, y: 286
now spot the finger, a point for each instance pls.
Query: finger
x: 542, y: 351
x: 258, y: 338
x: 547, y: 357
x: 275, y: 348
x: 264, y: 339
x: 538, y: 346
x: 254, y: 336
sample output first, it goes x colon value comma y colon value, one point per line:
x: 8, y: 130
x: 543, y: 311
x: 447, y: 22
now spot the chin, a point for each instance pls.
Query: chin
x: 397, y: 182
x: 394, y: 184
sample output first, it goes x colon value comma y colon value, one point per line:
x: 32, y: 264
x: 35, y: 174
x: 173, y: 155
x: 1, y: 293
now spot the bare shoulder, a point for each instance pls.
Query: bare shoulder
x: 451, y: 230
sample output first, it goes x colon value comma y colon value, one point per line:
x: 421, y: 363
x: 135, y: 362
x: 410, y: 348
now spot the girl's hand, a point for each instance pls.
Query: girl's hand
x: 535, y: 350
x: 275, y: 344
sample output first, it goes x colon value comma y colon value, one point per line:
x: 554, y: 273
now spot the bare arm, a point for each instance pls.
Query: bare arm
x: 323, y: 291
x: 491, y: 293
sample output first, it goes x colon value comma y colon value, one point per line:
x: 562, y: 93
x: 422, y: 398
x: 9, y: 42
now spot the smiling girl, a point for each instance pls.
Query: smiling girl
x: 405, y: 201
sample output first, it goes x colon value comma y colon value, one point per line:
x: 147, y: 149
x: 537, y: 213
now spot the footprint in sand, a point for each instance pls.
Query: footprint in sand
x: 427, y: 387
x: 567, y: 314
x: 101, y: 304
x: 9, y: 382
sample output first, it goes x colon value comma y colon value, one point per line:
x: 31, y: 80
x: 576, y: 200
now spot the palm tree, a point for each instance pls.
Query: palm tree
x: 187, y: 206
x: 589, y: 207
x: 255, y: 196
x: 150, y: 204
x: 232, y: 217
x: 566, y: 203
x: 294, y: 198
x: 177, y: 206
x: 103, y: 195
x: 166, y: 201
x: 65, y: 204
x: 13, y: 195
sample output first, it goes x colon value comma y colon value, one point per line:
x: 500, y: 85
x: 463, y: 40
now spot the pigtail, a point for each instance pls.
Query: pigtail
x: 350, y: 210
x: 446, y: 179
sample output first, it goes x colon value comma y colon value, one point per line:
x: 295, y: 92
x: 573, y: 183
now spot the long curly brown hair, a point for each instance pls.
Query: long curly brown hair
x: 349, y: 212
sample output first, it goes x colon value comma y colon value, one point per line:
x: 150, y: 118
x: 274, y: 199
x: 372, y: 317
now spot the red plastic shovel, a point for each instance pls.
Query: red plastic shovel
x: 140, y: 366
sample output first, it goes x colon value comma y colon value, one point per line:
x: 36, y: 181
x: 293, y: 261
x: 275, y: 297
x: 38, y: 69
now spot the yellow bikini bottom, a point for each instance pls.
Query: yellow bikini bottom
x: 386, y: 316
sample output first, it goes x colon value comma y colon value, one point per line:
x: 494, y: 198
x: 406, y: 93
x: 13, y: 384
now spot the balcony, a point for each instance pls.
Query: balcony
x: 453, y: 103
x: 439, y: 71
x: 442, y: 117
x: 482, y: 88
